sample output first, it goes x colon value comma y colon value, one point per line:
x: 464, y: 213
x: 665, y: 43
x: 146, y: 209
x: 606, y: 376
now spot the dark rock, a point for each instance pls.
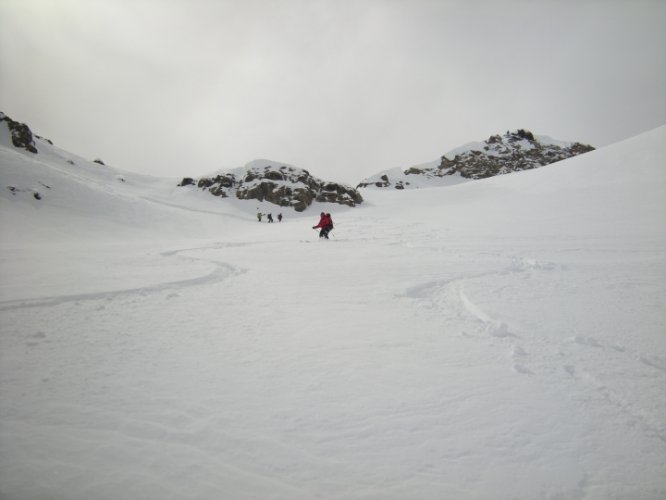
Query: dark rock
x: 187, y: 181
x: 273, y: 175
x: 21, y: 134
x: 218, y: 191
x: 227, y: 180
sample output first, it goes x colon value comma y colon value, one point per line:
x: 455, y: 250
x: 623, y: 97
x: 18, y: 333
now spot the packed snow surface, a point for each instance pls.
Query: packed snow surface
x: 495, y: 339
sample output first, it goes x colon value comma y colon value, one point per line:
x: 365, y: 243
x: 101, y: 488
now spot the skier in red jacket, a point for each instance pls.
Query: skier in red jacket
x: 326, y: 225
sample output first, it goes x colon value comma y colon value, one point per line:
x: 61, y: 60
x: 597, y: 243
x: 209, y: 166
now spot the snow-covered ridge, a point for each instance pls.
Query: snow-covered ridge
x: 283, y: 185
x: 498, y: 155
x: 34, y: 167
x: 62, y: 196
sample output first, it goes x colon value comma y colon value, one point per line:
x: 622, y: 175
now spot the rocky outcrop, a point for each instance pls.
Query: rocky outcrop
x: 21, y: 134
x: 281, y: 185
x: 187, y: 181
x: 498, y: 155
x: 512, y: 152
x: 385, y: 181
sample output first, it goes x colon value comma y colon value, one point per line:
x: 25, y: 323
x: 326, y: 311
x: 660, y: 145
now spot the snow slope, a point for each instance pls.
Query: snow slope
x: 397, y: 177
x: 496, y: 339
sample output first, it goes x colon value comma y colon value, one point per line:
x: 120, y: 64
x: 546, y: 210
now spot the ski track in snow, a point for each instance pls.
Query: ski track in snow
x: 220, y: 272
x: 544, y: 356
x: 191, y: 209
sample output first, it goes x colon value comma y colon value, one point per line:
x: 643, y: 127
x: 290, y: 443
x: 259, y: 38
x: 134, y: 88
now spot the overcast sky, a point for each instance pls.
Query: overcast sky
x: 343, y: 88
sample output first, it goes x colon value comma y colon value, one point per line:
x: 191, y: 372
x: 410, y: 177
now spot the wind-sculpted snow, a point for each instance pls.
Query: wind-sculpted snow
x: 502, y: 341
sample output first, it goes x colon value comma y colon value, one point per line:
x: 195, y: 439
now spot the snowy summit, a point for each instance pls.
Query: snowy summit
x: 505, y: 340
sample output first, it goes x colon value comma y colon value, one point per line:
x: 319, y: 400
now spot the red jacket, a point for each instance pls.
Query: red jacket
x: 325, y: 221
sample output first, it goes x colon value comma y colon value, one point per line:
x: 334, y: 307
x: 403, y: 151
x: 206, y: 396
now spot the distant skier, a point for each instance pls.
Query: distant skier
x: 279, y: 217
x: 270, y: 217
x: 325, y: 224
x: 259, y: 214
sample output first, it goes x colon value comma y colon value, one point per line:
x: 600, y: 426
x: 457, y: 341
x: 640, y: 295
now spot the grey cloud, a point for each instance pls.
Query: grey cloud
x: 344, y: 88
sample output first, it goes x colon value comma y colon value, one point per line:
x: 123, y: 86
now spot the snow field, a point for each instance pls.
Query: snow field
x: 497, y: 339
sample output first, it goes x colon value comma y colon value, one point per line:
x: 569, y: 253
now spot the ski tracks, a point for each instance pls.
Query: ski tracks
x: 593, y: 369
x: 451, y: 303
x: 219, y: 272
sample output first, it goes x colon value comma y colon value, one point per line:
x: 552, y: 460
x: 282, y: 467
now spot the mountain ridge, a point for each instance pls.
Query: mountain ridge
x: 291, y: 187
